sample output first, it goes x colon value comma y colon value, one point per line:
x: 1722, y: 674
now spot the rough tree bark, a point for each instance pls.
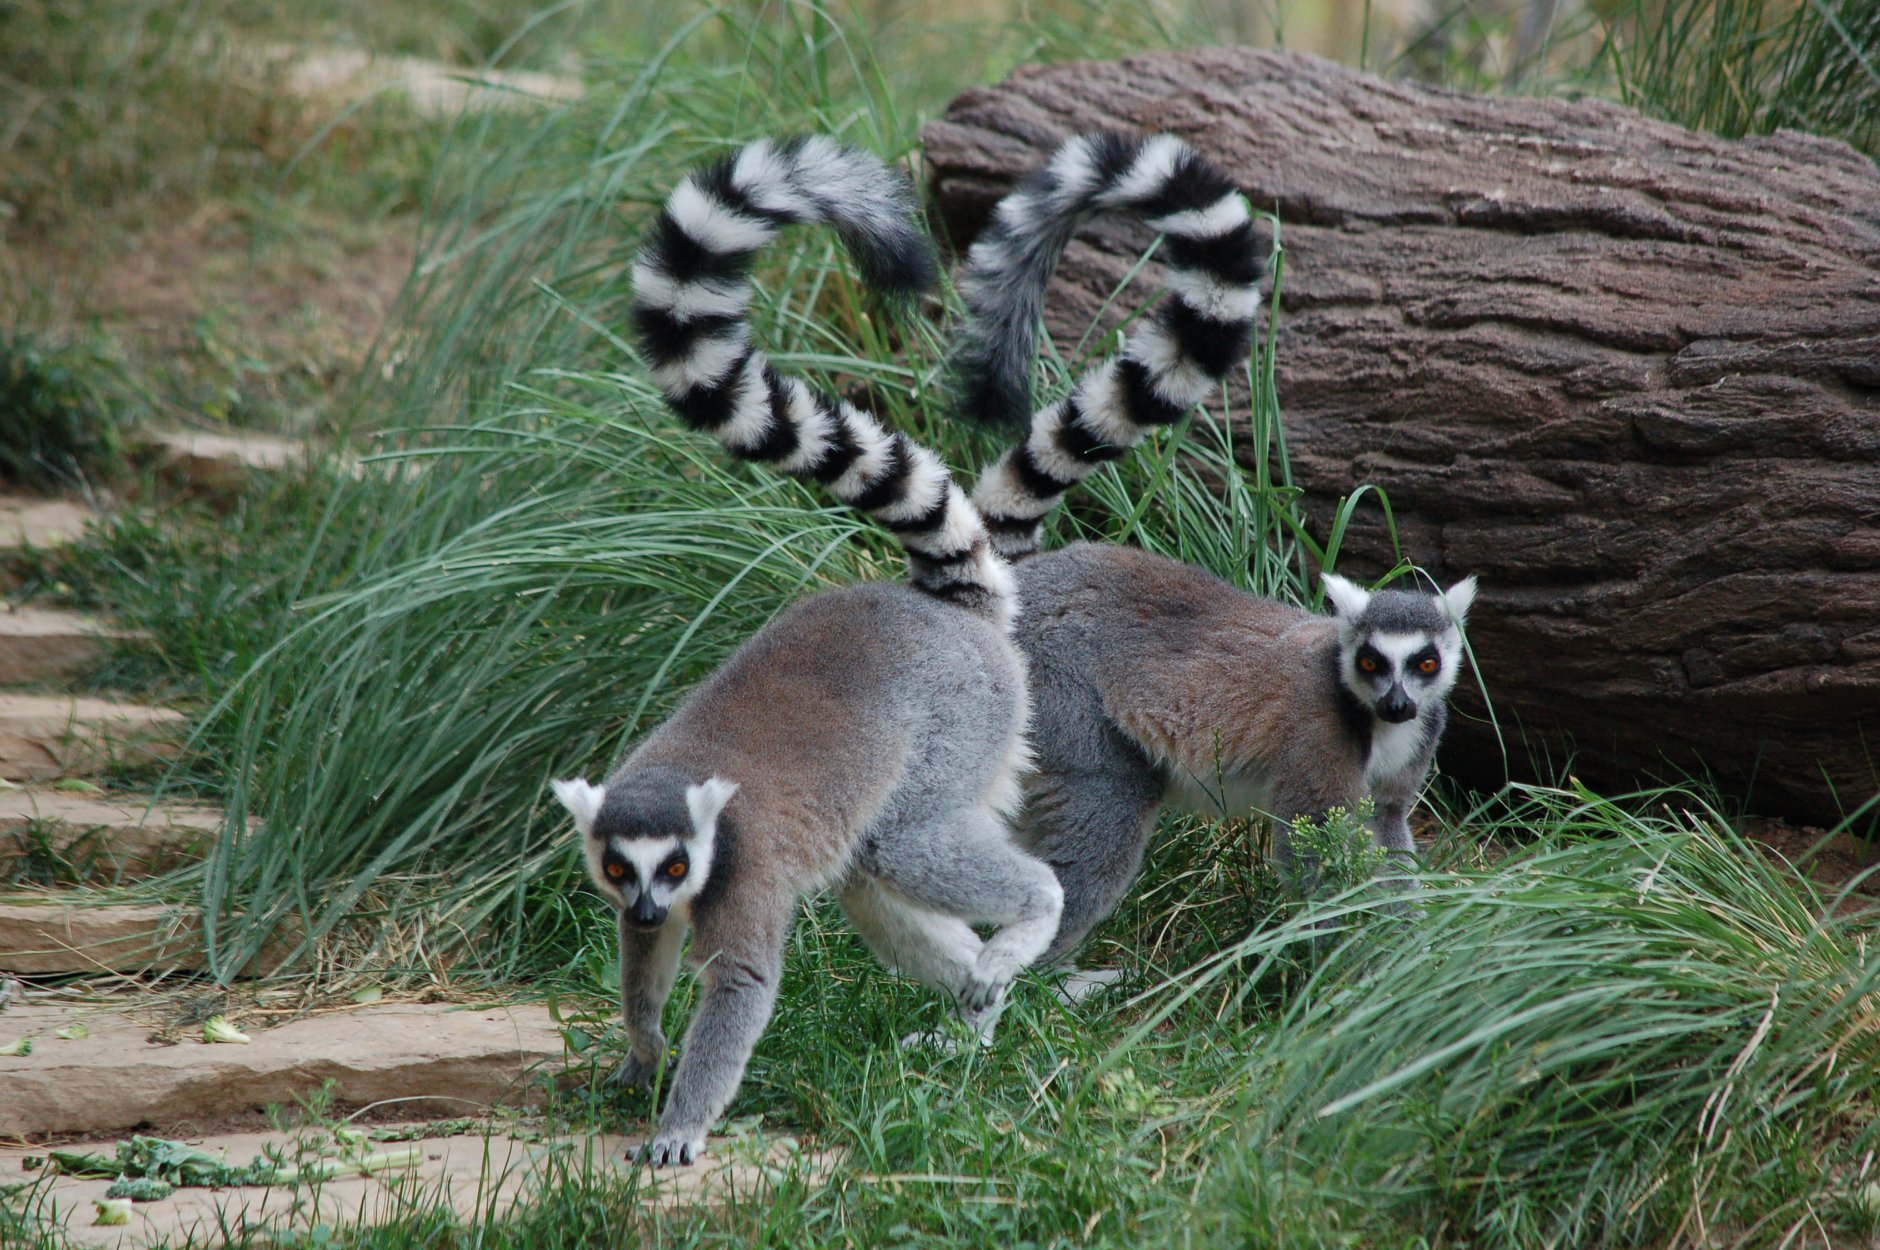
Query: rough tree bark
x: 1628, y: 374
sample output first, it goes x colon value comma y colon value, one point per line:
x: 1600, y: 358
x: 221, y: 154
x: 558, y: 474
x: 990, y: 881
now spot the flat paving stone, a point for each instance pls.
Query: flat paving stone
x: 424, y: 1058
x: 42, y: 523
x: 476, y: 1175
x: 58, y: 934
x: 219, y: 461
x: 103, y: 837
x: 44, y: 736
x: 433, y: 88
x: 43, y: 645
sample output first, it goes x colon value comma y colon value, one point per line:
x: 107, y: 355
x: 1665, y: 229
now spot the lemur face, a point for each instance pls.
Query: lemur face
x: 647, y: 855
x: 1398, y: 650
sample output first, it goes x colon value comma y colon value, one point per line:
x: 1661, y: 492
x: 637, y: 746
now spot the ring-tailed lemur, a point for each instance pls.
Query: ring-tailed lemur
x: 869, y: 738
x: 1154, y: 682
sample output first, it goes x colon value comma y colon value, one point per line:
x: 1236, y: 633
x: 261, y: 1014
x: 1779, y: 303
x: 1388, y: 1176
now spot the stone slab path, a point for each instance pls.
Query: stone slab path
x: 45, y: 645
x: 102, y: 837
x: 44, y: 736
x: 40, y: 523
x: 433, y: 88
x: 50, y: 933
x: 476, y: 1175
x: 133, y: 1070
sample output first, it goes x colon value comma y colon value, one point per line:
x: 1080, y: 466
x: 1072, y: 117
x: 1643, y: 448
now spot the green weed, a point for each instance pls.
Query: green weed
x: 1741, y: 67
x: 62, y: 408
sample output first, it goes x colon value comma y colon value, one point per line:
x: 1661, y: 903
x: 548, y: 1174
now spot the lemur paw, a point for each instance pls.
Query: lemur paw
x: 987, y: 983
x: 672, y: 1149
x: 980, y: 995
x: 636, y: 1073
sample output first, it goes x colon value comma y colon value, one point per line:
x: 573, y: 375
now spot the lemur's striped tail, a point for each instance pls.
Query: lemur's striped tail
x: 692, y: 297
x: 1171, y: 362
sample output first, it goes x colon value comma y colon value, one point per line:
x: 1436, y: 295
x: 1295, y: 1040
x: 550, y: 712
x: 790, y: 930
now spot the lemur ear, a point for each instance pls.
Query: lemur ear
x: 1457, y: 598
x: 582, y: 800
x: 705, y: 801
x: 1348, y: 598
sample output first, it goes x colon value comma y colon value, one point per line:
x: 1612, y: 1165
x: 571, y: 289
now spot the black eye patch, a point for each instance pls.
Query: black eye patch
x: 1371, y: 662
x: 1427, y: 662
x: 615, y: 868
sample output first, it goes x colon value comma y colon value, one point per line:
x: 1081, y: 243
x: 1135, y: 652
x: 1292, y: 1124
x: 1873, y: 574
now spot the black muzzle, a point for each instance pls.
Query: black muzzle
x: 644, y: 914
x: 1396, y: 707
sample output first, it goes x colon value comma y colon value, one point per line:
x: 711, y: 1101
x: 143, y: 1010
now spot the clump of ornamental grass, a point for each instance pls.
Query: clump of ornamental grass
x: 1649, y: 1038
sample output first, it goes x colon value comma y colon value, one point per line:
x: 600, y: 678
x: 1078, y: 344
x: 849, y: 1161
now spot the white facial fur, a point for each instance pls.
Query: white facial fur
x: 1349, y: 602
x: 582, y: 800
x: 705, y: 802
x: 1348, y: 598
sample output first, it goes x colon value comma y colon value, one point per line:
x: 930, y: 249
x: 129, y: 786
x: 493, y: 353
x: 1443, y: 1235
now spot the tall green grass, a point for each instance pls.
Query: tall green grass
x: 1740, y: 67
x: 1652, y: 1038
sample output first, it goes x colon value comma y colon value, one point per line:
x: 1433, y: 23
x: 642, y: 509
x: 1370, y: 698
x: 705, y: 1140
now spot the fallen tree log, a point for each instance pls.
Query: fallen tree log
x: 1627, y: 373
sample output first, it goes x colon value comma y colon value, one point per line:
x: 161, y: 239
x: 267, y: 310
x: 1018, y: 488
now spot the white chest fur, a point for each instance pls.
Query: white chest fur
x: 1393, y: 747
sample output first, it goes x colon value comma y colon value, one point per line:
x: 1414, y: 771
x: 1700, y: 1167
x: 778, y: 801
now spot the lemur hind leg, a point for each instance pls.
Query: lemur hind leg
x: 966, y: 866
x: 739, y: 970
x: 649, y: 962
x: 1091, y: 828
x: 916, y: 941
x: 933, y: 948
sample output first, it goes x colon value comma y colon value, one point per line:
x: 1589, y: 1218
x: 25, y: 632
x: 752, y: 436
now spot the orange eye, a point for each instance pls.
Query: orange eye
x: 676, y: 870
x: 1366, y: 663
x: 1428, y: 666
x: 616, y: 871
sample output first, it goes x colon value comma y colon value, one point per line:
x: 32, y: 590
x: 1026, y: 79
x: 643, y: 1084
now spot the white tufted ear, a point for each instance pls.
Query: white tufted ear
x: 1348, y: 598
x: 582, y: 800
x: 1458, y: 598
x: 705, y: 801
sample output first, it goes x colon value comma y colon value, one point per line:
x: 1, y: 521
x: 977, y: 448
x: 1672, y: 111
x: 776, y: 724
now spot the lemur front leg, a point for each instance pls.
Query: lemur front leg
x: 738, y: 981
x: 649, y: 963
x: 1390, y: 830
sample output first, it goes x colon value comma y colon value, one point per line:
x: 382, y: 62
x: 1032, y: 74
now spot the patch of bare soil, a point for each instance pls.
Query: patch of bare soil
x: 362, y: 1178
x: 219, y: 310
x: 1832, y: 863
x: 322, y: 299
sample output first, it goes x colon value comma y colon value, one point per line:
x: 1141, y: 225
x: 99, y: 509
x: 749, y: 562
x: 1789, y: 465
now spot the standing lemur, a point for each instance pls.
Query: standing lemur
x: 1153, y: 682
x: 869, y: 738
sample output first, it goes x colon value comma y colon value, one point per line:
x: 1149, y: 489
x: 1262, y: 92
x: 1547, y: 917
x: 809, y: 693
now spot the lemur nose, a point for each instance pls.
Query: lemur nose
x: 1396, y: 707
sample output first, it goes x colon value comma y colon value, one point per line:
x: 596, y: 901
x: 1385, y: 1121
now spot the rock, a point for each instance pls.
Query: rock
x: 102, y: 837
x: 432, y: 87
x: 429, y: 1058
x: 39, y: 645
x: 476, y: 1174
x: 41, y: 524
x: 43, y: 736
x: 1627, y: 373
x: 64, y: 935
x: 220, y: 462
